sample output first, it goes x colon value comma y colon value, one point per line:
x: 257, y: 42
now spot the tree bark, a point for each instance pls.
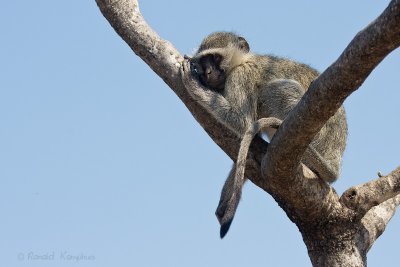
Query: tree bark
x: 338, y: 231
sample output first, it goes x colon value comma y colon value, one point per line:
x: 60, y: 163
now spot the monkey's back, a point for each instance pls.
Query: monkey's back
x: 283, y: 68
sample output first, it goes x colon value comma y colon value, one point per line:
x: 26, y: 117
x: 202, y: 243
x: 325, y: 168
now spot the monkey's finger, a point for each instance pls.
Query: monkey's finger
x: 185, y: 66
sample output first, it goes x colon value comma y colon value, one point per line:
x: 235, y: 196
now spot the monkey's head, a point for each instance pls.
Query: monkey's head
x: 216, y: 56
x: 222, y: 40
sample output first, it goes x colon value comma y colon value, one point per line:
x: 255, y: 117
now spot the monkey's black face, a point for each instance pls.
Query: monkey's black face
x: 207, y: 69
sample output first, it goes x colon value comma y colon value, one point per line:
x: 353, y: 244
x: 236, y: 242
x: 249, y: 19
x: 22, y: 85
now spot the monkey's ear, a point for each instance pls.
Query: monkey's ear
x: 243, y: 44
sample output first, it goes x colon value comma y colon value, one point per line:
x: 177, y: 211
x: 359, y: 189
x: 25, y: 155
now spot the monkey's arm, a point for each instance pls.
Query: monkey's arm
x: 230, y: 115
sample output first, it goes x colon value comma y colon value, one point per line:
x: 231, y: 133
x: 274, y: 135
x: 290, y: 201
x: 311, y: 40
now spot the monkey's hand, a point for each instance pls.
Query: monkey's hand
x: 191, y: 82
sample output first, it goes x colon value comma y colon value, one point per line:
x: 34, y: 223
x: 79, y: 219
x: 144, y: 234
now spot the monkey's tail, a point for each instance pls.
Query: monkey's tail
x: 258, y: 126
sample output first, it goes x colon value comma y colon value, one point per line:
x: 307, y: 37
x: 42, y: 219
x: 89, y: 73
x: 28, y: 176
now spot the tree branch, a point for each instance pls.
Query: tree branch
x: 375, y: 221
x: 162, y: 57
x: 330, y: 89
x: 363, y: 197
x: 325, y: 95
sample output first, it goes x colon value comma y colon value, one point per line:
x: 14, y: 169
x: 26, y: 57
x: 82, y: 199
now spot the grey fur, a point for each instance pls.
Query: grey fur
x: 239, y: 88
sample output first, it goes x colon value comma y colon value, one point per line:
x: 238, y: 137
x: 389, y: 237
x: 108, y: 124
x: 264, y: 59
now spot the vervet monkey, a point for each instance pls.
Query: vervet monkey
x: 239, y: 87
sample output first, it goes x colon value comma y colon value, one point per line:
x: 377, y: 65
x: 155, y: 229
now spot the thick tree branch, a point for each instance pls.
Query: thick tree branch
x: 330, y: 89
x: 160, y: 55
x: 363, y: 197
x: 321, y: 101
x: 125, y: 17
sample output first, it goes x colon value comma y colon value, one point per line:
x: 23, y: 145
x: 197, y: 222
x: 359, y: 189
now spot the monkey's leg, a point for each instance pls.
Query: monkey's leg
x: 322, y: 167
x: 277, y: 100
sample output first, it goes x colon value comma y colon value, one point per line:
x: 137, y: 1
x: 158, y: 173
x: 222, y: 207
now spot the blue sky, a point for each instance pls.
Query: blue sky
x: 99, y: 158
